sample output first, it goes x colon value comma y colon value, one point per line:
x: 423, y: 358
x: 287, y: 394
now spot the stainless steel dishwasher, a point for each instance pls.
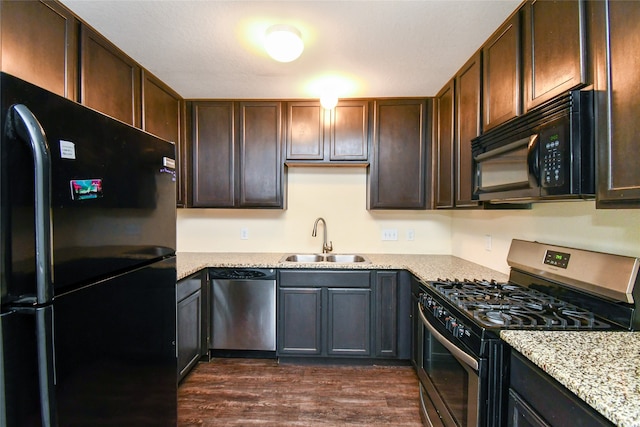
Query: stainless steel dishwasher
x: 243, y: 315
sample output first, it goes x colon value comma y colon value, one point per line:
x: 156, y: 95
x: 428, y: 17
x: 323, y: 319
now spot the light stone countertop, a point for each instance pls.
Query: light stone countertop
x: 601, y: 368
x: 426, y: 267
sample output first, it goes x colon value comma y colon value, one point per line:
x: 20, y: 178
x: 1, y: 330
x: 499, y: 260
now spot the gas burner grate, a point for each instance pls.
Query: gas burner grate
x: 496, y: 304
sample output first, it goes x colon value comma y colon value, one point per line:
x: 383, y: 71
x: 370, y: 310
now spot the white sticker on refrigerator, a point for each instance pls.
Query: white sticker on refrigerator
x: 67, y: 150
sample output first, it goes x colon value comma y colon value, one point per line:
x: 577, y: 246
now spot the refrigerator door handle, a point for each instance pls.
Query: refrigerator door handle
x: 23, y: 123
x: 46, y: 365
x: 46, y: 361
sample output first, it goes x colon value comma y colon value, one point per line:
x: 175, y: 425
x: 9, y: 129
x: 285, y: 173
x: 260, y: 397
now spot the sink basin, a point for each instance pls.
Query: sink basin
x: 335, y: 258
x: 345, y: 258
x: 304, y: 258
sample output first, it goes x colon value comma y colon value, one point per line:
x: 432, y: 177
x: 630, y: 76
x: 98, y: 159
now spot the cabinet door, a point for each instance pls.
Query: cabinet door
x: 109, y: 79
x: 162, y: 113
x: 386, y: 314
x: 349, y: 131
x: 305, y: 130
x: 299, y: 317
x: 39, y: 44
x: 501, y: 79
x: 521, y: 415
x: 443, y: 155
x: 213, y: 154
x: 189, y: 332
x: 399, y: 158
x: 554, y: 56
x: 348, y: 322
x: 467, y: 124
x: 617, y: 107
x: 260, y: 169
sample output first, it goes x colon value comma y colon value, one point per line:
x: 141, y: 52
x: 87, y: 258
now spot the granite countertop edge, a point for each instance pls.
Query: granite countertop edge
x: 601, y: 368
x: 426, y: 267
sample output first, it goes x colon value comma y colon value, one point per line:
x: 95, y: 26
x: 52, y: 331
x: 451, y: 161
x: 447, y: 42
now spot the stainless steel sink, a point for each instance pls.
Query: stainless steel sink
x: 304, y: 258
x: 344, y: 258
x: 333, y: 258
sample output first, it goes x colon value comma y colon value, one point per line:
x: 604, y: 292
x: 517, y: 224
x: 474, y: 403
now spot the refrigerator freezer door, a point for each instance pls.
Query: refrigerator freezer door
x: 112, y: 193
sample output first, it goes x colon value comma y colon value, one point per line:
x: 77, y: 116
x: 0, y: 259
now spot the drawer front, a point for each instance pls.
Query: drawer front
x: 333, y: 278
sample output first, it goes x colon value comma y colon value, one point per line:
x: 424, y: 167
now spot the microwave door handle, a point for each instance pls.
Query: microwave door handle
x: 22, y: 122
x: 533, y: 159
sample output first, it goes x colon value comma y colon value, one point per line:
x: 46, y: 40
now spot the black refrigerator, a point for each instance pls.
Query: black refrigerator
x: 87, y: 263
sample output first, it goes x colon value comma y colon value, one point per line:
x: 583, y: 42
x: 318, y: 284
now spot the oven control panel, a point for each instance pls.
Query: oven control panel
x: 452, y: 323
x: 557, y: 259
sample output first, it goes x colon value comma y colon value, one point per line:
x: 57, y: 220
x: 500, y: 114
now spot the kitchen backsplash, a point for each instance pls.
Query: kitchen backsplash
x: 339, y: 196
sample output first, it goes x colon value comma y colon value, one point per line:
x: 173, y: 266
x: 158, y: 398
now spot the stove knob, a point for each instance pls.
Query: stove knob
x: 460, y: 331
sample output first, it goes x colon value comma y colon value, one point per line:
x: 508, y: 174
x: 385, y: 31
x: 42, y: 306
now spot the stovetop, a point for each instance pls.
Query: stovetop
x: 494, y: 304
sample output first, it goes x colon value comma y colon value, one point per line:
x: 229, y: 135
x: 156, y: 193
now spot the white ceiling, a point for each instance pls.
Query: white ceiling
x: 211, y: 49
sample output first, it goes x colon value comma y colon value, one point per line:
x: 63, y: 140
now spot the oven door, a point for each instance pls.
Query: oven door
x: 509, y: 172
x: 450, y: 389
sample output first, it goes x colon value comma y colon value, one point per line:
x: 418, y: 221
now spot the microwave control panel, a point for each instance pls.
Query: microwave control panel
x: 552, y: 153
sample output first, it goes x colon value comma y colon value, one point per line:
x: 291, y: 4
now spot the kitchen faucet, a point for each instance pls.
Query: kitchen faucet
x: 326, y: 247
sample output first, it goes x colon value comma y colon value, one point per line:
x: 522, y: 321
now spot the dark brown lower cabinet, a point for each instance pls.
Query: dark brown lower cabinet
x: 344, y: 314
x: 299, y: 321
x: 348, y: 322
x: 324, y: 313
x: 189, y: 323
x: 537, y: 400
x: 387, y: 312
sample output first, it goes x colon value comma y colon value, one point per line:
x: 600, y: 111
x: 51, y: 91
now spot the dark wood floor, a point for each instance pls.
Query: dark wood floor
x: 261, y: 392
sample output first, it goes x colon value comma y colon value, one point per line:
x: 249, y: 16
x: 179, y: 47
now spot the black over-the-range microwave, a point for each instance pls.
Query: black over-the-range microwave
x: 546, y: 154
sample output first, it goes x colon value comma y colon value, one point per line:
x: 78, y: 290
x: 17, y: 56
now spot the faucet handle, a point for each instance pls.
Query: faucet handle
x: 327, y: 247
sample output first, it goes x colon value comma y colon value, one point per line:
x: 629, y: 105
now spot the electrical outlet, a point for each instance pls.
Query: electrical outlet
x: 389, y: 234
x: 411, y: 234
x: 487, y: 242
x: 244, y: 233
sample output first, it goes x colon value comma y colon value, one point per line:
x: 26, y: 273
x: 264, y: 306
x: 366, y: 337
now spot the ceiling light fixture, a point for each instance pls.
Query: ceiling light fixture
x: 283, y: 42
x: 329, y: 101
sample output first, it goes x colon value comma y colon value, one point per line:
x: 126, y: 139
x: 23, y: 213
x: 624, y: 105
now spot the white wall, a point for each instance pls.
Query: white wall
x: 576, y: 224
x: 339, y: 196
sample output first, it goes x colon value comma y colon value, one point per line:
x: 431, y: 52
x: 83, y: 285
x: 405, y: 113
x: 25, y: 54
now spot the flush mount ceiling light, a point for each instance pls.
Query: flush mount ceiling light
x: 329, y: 101
x: 283, y: 42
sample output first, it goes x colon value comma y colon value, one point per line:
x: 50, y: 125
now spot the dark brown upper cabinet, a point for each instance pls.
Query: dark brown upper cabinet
x: 109, y: 79
x: 213, y: 154
x: 501, y: 56
x: 456, y: 123
x: 468, y: 85
x: 39, y: 44
x: 163, y: 115
x: 616, y: 38
x: 443, y: 154
x: 315, y: 134
x: 398, y: 170
x: 554, y: 49
x: 236, y: 154
x: 260, y: 169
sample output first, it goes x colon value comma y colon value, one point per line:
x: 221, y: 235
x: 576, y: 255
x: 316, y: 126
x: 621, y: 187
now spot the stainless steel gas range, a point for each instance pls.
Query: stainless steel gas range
x: 461, y: 362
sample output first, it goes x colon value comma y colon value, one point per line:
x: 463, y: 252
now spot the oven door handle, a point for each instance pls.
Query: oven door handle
x: 455, y: 351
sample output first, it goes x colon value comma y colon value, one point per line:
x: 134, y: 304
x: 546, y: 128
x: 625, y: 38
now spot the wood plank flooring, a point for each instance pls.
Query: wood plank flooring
x: 261, y: 392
